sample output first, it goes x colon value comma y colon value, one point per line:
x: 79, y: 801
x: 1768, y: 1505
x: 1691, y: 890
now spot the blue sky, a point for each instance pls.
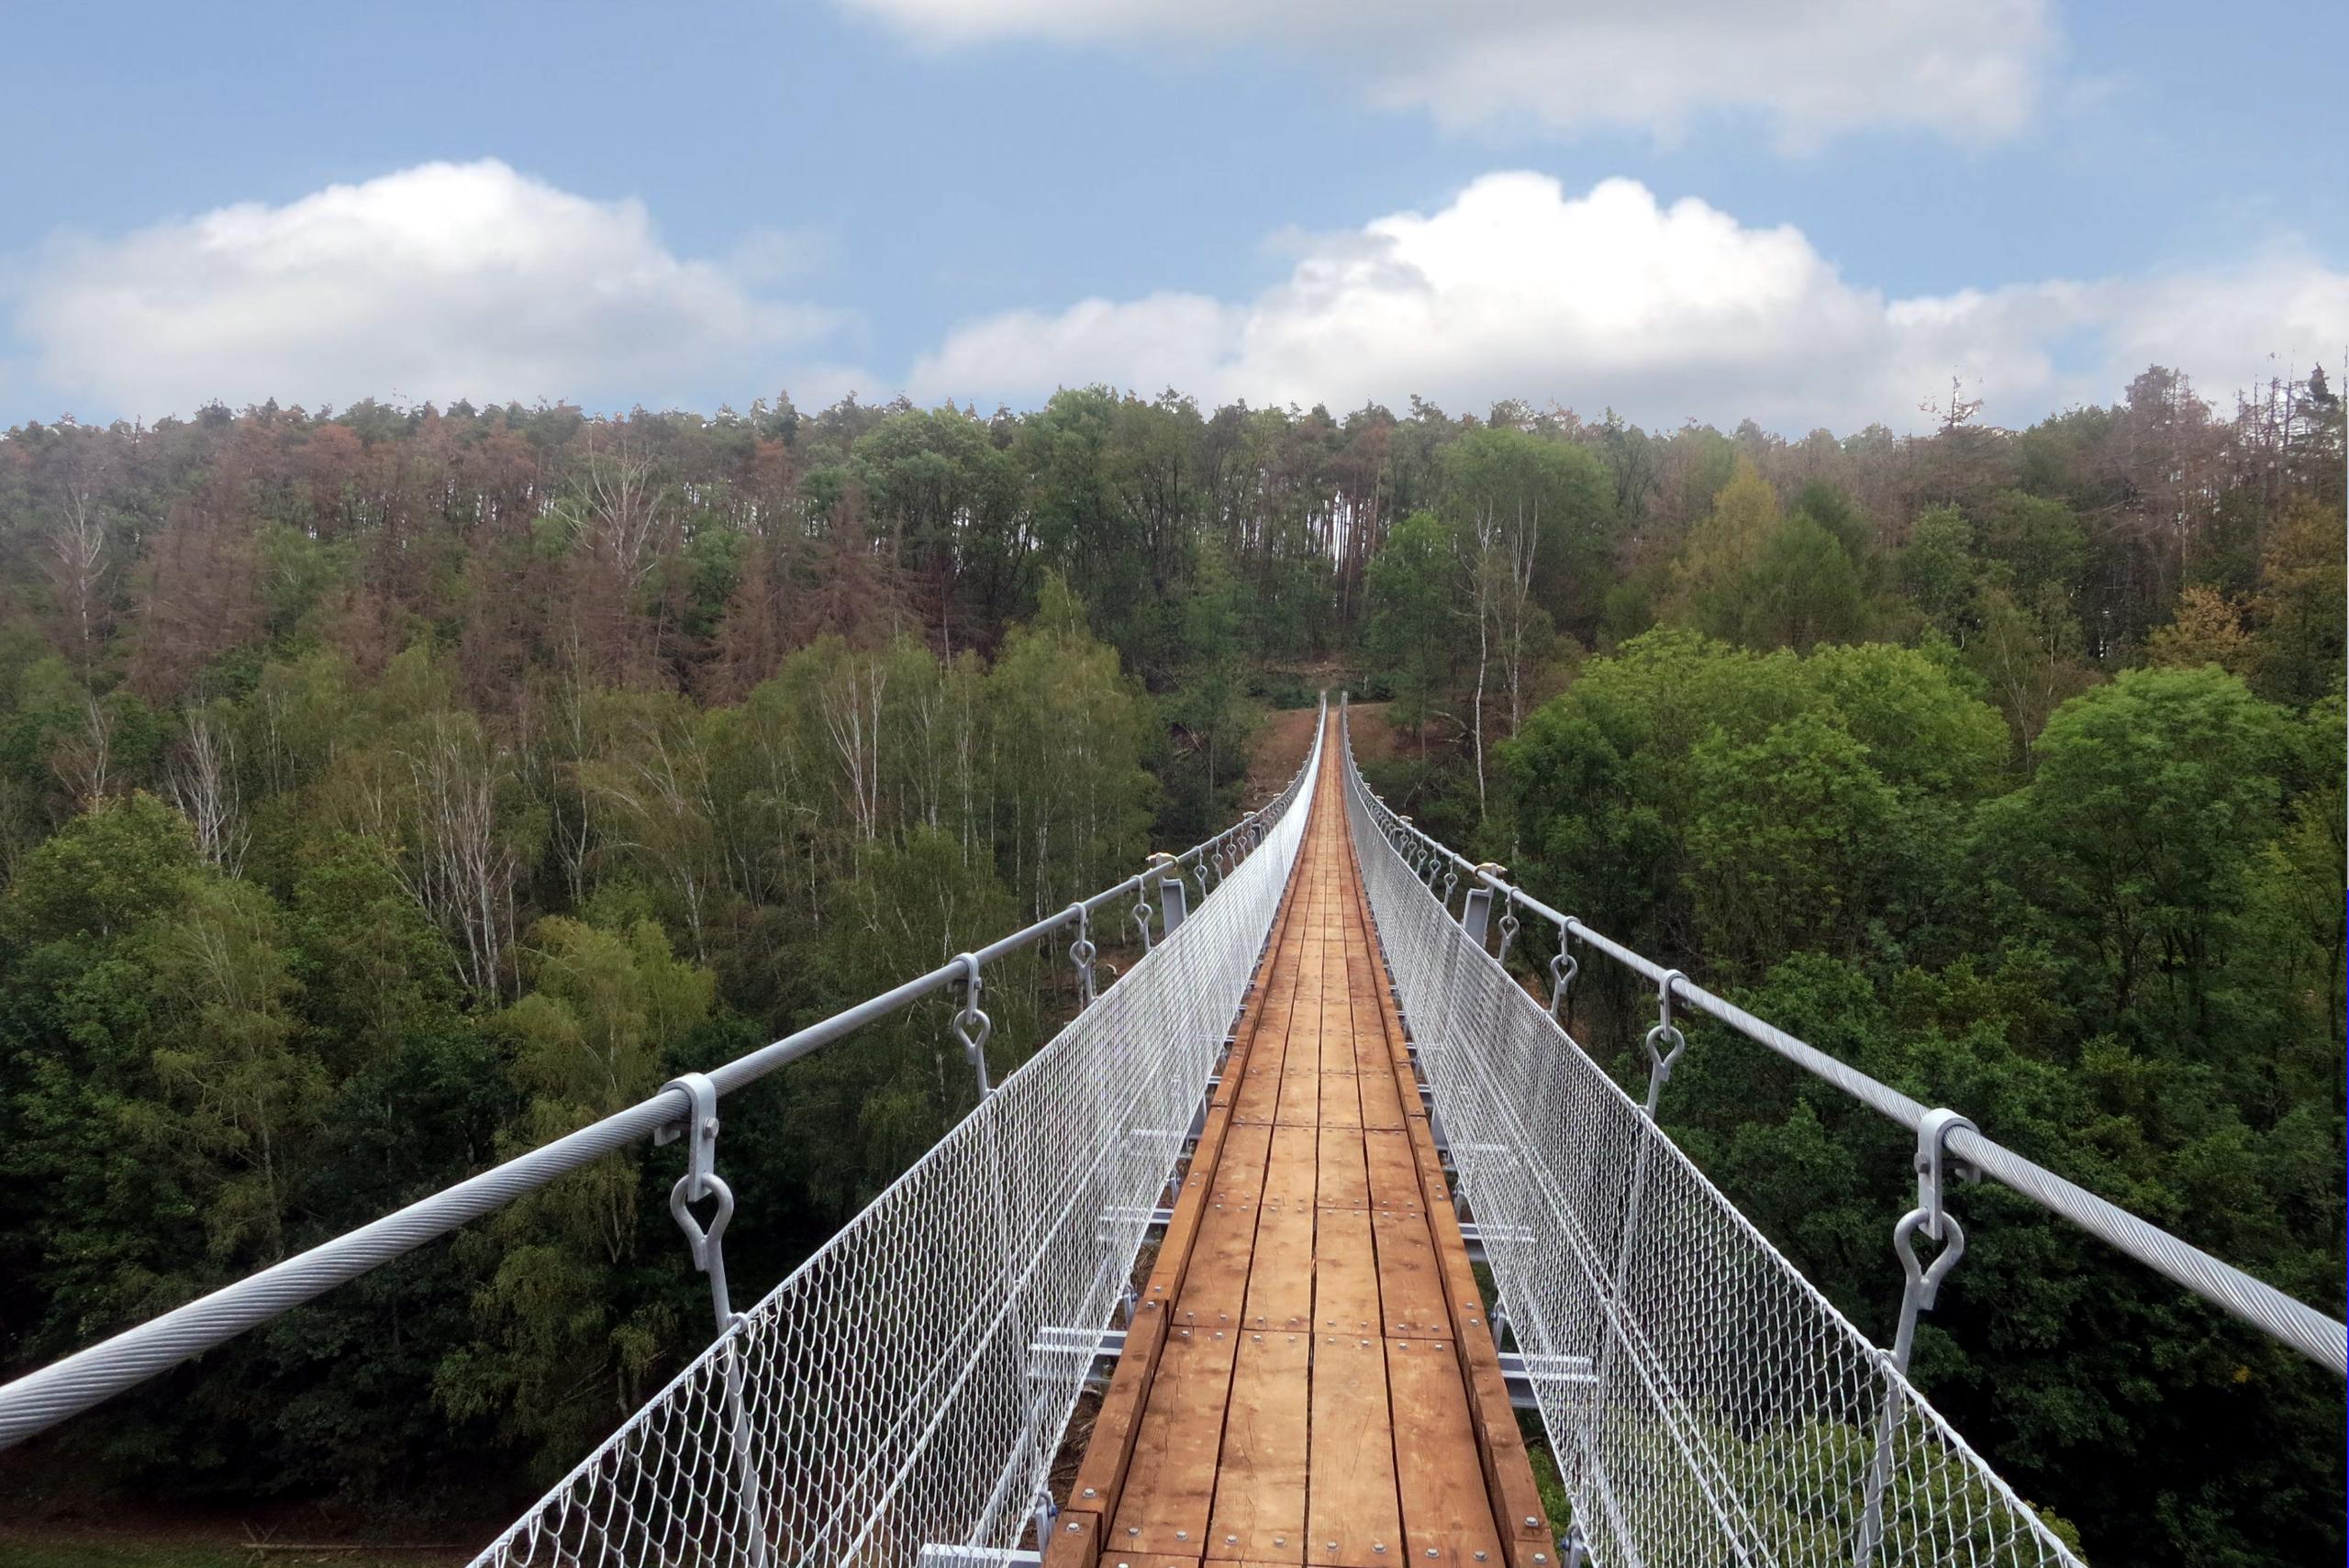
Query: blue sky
x: 923, y: 196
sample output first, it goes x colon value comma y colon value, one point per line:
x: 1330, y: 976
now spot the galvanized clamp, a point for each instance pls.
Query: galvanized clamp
x: 972, y: 1025
x: 1563, y: 967
x: 701, y: 1181
x: 1922, y: 1283
x: 1082, y: 952
x: 1664, y: 1043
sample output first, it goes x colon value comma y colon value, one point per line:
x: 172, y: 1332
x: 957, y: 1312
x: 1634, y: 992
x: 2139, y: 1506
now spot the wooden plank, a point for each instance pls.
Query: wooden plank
x: 1345, y: 1273
x: 1382, y: 1102
x: 1447, y: 1513
x: 1340, y: 1181
x: 1300, y: 1096
x: 1101, y: 1474
x: 1075, y: 1539
x: 1215, y: 1287
x: 1355, y: 1513
x: 1259, y: 1098
x: 1259, y: 1511
x: 1170, y: 1482
x: 1340, y: 1100
x: 1510, y: 1494
x: 1394, y: 1170
x: 1291, y: 1168
x: 1280, y: 1272
x: 1509, y: 1474
x: 1410, y: 1287
x: 1238, y: 1173
x: 1190, y: 1204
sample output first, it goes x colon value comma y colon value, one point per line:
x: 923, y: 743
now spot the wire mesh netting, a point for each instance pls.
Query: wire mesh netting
x: 1704, y: 1403
x: 906, y: 1386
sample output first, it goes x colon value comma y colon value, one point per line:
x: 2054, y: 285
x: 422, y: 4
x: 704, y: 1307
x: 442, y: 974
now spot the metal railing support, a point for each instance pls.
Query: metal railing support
x: 1475, y: 912
x: 972, y: 1025
x: 1920, y: 1284
x: 1171, y: 901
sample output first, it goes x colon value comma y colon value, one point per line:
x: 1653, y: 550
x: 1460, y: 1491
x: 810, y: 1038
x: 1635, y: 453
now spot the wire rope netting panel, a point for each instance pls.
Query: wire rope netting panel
x: 1704, y: 1403
x: 906, y: 1386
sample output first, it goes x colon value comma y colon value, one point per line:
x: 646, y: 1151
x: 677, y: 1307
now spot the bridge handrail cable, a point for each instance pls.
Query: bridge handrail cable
x: 43, y: 1398
x: 2323, y: 1340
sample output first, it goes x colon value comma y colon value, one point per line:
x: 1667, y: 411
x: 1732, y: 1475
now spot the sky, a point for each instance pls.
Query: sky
x: 1811, y: 213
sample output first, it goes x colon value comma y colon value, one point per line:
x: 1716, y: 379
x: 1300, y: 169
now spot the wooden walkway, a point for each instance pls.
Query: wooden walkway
x: 1309, y: 1377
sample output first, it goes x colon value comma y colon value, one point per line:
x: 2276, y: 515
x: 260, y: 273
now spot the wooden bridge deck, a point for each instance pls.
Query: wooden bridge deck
x: 1309, y: 1377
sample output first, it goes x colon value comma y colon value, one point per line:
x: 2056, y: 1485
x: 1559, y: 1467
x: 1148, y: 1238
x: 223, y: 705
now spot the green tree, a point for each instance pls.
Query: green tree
x: 1939, y: 572
x: 568, y: 1335
x: 105, y: 873
x: 235, y: 1061
x: 2152, y: 798
x: 1064, y: 733
x: 1415, y: 618
x: 1709, y: 577
x: 1802, y: 590
x: 1787, y: 840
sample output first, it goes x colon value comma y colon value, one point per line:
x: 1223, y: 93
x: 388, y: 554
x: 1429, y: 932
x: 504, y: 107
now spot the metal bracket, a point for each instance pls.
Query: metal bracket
x: 1923, y: 1282
x: 1173, y: 900
x: 1919, y: 1285
x: 1141, y: 897
x: 1082, y: 952
x: 1475, y: 912
x: 972, y: 1025
x: 1664, y: 1043
x: 1563, y: 967
x: 701, y: 1181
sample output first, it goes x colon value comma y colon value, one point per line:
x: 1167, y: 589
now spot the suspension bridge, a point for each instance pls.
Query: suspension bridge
x: 1235, y: 1212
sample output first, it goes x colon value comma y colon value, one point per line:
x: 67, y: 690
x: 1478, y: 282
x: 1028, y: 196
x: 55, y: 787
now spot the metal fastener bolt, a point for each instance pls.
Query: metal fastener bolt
x: 1088, y: 1491
x: 1074, y: 1527
x: 1532, y: 1523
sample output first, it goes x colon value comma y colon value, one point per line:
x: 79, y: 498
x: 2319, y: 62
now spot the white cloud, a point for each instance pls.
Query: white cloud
x: 438, y: 281
x: 1662, y: 312
x: 1810, y: 68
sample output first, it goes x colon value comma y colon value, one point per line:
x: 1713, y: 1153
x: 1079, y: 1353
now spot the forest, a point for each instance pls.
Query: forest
x: 387, y: 790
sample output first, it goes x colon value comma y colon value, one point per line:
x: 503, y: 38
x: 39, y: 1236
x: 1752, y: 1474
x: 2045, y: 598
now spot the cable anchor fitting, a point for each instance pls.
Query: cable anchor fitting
x: 972, y: 1025
x: 1563, y: 967
x: 1922, y: 1282
x: 1142, y: 911
x: 1664, y: 1042
x: 701, y: 1181
x: 1082, y: 952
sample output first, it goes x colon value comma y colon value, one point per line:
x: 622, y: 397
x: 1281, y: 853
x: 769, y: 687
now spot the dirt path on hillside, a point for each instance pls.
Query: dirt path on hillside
x: 1288, y: 734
